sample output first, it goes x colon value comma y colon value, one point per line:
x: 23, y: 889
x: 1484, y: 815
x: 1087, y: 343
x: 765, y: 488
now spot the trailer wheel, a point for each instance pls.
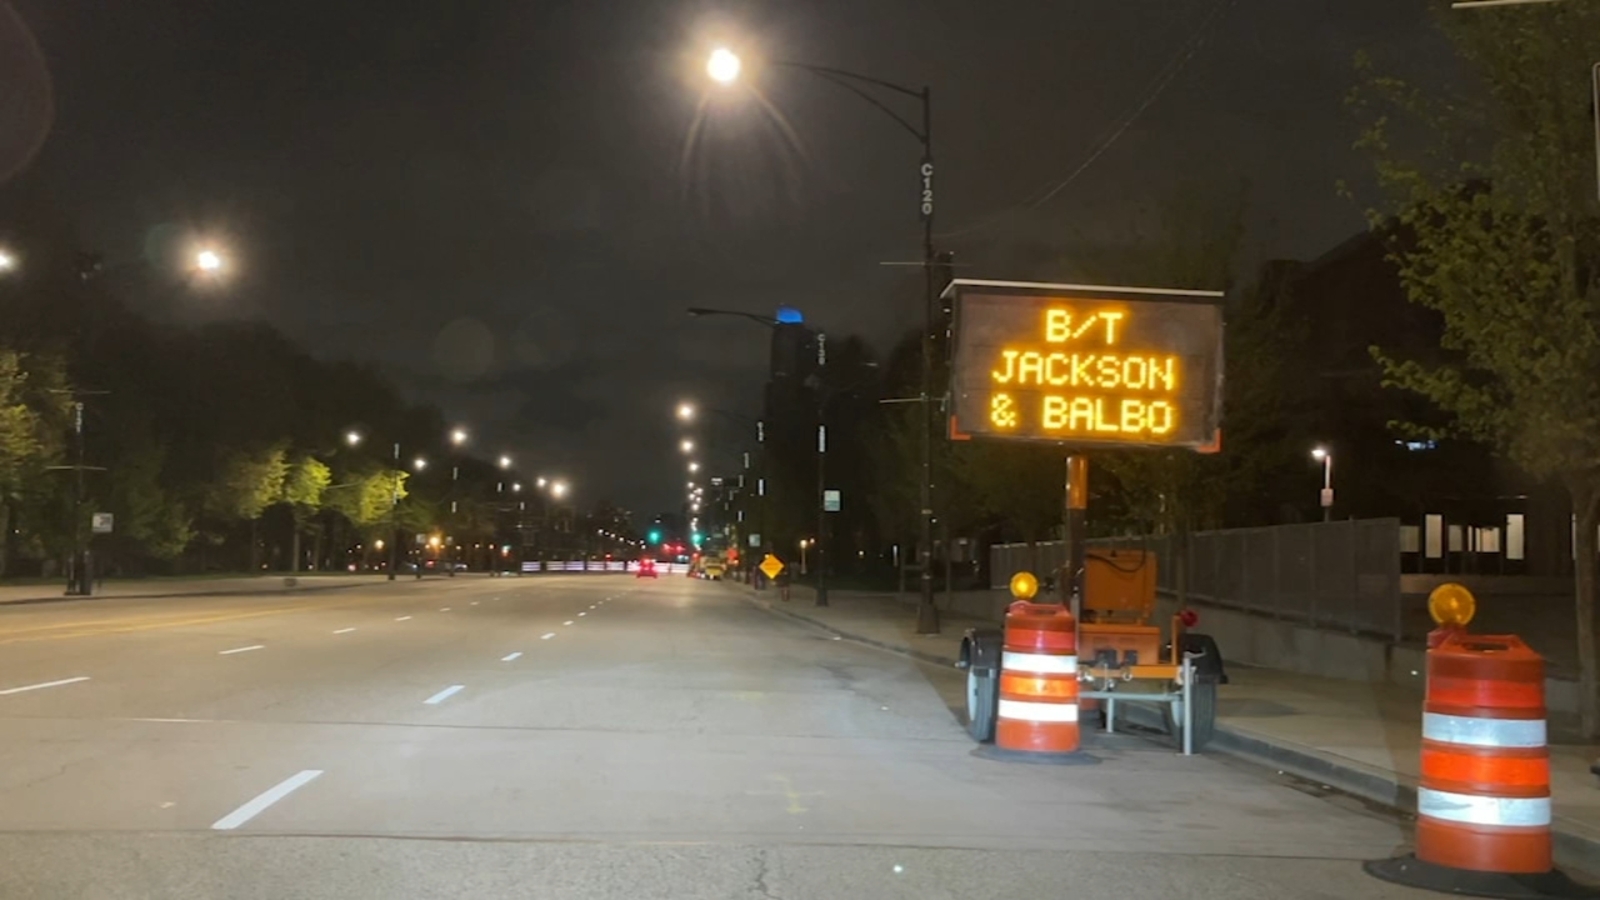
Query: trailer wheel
x: 983, y: 692
x: 1205, y: 715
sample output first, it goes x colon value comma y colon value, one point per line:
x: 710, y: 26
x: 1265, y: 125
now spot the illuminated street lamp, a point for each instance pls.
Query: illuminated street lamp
x: 558, y: 489
x: 458, y: 436
x: 694, y: 466
x: 208, y: 261
x: 1322, y: 455
x: 419, y: 464
x: 723, y: 66
x: 8, y: 263
x: 505, y: 462
x: 540, y: 482
x: 686, y: 411
x: 352, y: 438
x: 687, y: 446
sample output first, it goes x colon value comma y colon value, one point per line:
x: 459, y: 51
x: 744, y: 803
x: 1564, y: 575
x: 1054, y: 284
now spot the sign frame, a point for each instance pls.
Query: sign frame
x: 1025, y: 291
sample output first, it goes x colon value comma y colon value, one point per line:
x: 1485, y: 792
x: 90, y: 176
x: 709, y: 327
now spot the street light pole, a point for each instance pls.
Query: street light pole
x: 724, y: 66
x: 927, y: 613
x: 394, y: 516
x: 1322, y: 455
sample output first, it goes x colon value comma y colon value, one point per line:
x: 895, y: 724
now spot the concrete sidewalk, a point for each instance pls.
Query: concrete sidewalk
x: 1361, y: 738
x: 159, y: 588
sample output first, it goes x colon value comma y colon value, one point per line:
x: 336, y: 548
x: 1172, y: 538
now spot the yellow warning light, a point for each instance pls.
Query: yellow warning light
x: 1452, y: 604
x: 1024, y: 585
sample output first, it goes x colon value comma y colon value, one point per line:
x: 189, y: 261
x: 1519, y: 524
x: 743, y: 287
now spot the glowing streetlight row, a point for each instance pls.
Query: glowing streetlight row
x: 458, y: 437
x: 206, y: 260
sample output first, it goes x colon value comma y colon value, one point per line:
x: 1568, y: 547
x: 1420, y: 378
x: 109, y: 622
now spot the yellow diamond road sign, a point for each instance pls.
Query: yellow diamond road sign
x: 771, y: 566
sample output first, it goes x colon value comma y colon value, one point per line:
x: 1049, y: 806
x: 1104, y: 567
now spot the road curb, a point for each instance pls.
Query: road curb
x: 1384, y: 788
x: 918, y: 655
x: 175, y: 595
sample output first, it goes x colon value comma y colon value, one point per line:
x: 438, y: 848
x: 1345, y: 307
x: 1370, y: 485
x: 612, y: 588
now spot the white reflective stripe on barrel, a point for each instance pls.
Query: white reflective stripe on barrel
x: 1470, y: 809
x: 1038, y: 663
x: 1478, y: 732
x: 1038, y: 712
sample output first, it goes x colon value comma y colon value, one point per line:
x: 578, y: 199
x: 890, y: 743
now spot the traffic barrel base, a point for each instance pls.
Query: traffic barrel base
x: 1001, y: 754
x: 1413, y: 872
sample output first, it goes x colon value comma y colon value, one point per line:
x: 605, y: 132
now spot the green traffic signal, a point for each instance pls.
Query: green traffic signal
x: 655, y: 536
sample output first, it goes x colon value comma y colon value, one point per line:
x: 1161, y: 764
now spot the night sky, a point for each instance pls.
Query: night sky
x: 496, y: 200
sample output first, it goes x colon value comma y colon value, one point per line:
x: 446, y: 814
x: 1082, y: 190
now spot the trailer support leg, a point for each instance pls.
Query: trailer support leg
x: 1187, y: 673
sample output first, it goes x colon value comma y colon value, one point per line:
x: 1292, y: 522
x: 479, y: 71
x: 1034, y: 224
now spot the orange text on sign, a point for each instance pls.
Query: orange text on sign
x: 1107, y: 371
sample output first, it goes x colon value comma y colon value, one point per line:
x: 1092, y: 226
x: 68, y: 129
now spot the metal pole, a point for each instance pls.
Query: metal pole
x: 822, y: 469
x: 822, y: 513
x: 1077, y: 519
x: 1188, y: 705
x: 927, y: 613
x: 761, y: 495
x: 394, y: 516
x: 82, y: 581
x: 1327, y: 486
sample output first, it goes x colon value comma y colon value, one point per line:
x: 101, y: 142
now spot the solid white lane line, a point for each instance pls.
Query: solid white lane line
x: 401, y: 618
x: 345, y: 630
x: 510, y: 656
x: 45, y: 684
x: 265, y: 799
x: 567, y: 622
x: 444, y: 695
x: 241, y: 649
x: 547, y: 635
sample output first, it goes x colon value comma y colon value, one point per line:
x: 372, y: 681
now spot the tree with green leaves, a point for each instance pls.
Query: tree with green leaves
x: 247, y: 484
x: 1491, y: 218
x: 34, y: 410
x: 305, y: 484
x: 150, y: 520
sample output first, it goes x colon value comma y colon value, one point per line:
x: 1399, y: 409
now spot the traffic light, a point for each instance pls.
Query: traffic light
x: 695, y: 538
x: 655, y: 535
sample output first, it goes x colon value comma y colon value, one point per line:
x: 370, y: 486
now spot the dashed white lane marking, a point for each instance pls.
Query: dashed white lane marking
x: 345, y: 630
x: 444, y: 695
x: 45, y: 684
x: 510, y: 656
x: 241, y: 649
x: 547, y: 635
x: 401, y: 618
x: 582, y: 614
x: 444, y: 609
x: 264, y: 800
x: 474, y: 603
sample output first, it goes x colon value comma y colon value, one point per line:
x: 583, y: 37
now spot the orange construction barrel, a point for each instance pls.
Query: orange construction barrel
x: 1038, y: 708
x: 1483, y: 801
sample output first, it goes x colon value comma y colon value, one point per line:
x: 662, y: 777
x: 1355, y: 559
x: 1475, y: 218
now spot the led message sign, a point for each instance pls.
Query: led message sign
x: 1086, y: 365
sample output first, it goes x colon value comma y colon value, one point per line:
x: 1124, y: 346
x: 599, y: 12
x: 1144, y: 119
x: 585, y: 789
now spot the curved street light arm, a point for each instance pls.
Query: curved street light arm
x: 842, y: 79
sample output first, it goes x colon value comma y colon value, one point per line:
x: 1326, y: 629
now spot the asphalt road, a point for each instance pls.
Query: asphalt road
x: 587, y: 737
